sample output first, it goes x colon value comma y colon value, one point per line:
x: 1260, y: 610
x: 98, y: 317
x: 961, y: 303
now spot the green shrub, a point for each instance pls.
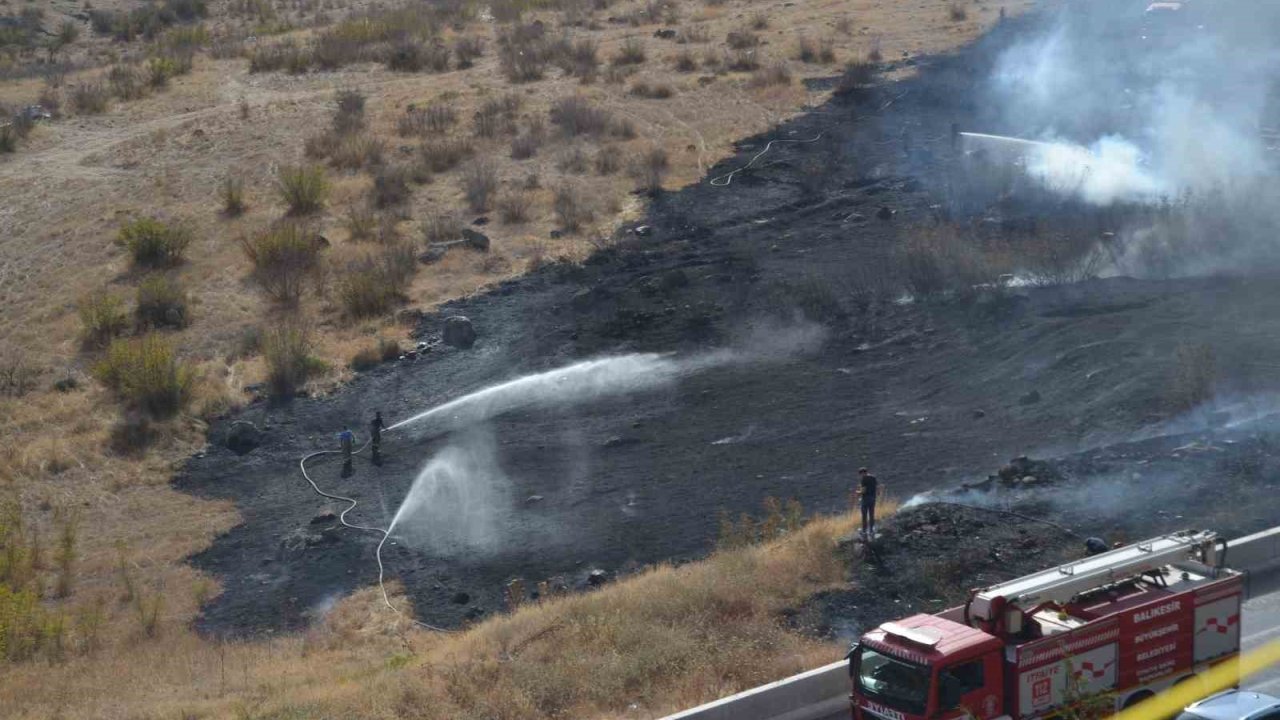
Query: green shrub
x: 287, y: 351
x: 153, y: 243
x: 283, y: 257
x: 304, y: 188
x: 162, y: 302
x: 102, y: 318
x: 147, y: 374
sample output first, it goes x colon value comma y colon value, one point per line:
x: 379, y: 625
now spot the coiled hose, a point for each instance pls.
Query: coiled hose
x: 342, y: 518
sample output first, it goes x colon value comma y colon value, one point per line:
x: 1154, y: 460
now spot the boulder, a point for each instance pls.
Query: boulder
x: 459, y: 332
x: 325, y: 517
x: 475, y: 239
x: 243, y: 437
x: 1030, y: 398
x: 597, y: 577
x: 431, y: 256
x: 460, y: 598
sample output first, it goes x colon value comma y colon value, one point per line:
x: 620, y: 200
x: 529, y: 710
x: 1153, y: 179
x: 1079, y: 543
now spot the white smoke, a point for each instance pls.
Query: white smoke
x: 1145, y: 122
x: 1112, y: 170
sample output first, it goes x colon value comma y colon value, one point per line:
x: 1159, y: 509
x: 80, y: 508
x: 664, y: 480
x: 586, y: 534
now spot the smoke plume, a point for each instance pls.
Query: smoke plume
x: 1170, y: 108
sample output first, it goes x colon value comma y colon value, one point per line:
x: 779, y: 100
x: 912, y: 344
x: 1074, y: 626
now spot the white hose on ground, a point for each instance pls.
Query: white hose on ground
x: 342, y: 518
x: 727, y: 178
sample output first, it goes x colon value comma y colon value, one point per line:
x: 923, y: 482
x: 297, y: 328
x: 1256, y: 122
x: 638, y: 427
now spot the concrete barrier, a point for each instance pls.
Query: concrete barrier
x: 810, y: 695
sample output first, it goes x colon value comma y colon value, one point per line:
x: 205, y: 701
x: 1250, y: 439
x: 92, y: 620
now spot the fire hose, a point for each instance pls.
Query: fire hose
x: 342, y: 518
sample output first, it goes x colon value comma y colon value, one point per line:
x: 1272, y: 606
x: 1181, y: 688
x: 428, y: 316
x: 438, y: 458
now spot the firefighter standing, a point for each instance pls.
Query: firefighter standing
x: 375, y: 435
x: 347, y: 440
x: 867, y: 488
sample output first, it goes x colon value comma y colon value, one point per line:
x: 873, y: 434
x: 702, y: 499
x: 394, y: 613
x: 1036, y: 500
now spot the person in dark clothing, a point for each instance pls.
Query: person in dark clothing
x: 347, y: 440
x: 868, y: 487
x: 375, y: 430
x: 375, y: 437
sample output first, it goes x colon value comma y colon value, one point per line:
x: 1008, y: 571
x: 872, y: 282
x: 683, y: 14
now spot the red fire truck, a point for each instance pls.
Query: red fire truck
x: 1123, y: 624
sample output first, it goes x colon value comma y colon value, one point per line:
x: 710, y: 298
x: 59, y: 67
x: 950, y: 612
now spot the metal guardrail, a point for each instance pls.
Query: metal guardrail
x: 808, y: 696
x: 824, y: 692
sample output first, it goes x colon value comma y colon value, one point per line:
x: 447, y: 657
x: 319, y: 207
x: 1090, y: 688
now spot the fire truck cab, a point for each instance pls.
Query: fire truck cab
x: 1120, y: 626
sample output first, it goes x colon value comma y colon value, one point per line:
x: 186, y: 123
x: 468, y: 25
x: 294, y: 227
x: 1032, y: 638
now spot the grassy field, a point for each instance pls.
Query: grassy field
x: 93, y: 537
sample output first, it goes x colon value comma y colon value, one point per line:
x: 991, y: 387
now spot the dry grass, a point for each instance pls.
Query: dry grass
x: 666, y: 638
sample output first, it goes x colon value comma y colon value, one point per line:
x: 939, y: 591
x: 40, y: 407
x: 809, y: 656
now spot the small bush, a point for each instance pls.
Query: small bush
x: 514, y: 206
x: 391, y: 186
x: 743, y: 61
x: 693, y: 34
x: 574, y: 161
x: 571, y: 208
x: 684, y: 62
x: 409, y: 55
x: 165, y: 67
x: 479, y: 182
x: 608, y: 160
x: 232, y: 194
x: 525, y: 146
x: 856, y: 79
x: 442, y: 155
x: 497, y: 116
x: 435, y: 119
x: 658, y: 91
x: 957, y: 12
x: 126, y: 82
x: 102, y: 318
x: 304, y: 188
x: 524, y: 53
x: 742, y: 39
x: 280, y: 56
x: 90, y: 98
x: 361, y: 223
x: 370, y: 356
x: 152, y: 243
x: 442, y: 227
x: 810, y: 52
x: 576, y: 116
x: 356, y: 151
x: 162, y: 302
x: 373, y: 285
x: 467, y: 49
x: 283, y: 258
x: 583, y: 61
x: 146, y: 374
x: 776, y: 74
x: 8, y: 138
x: 650, y: 168
x: 348, y: 115
x: 287, y: 350
x: 630, y: 52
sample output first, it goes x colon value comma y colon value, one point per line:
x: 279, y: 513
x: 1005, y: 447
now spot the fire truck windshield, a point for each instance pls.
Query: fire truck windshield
x: 899, y: 684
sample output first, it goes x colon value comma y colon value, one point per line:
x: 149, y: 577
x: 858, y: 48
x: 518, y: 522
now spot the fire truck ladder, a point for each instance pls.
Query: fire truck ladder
x: 1062, y: 583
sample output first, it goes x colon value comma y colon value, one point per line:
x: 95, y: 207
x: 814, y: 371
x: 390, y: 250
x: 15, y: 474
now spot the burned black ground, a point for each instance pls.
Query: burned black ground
x: 927, y: 393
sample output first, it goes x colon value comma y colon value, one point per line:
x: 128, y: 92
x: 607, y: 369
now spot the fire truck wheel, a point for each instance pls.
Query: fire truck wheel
x: 1136, y: 698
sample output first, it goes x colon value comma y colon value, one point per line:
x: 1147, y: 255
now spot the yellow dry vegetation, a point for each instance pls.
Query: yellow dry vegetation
x: 666, y: 638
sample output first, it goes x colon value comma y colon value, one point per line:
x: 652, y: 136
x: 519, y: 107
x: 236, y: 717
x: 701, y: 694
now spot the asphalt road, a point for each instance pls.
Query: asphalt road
x: 1261, y: 625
